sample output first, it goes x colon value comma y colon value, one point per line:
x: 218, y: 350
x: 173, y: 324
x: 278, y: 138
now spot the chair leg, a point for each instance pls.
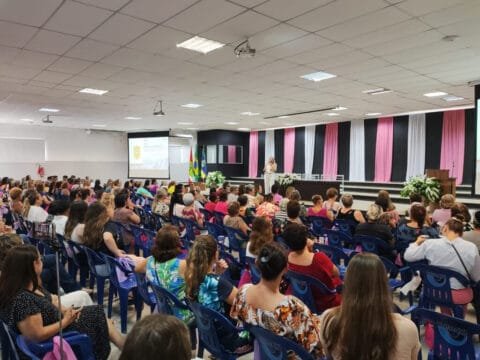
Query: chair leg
x: 138, y: 303
x: 100, y: 290
x: 123, y: 297
x: 111, y: 292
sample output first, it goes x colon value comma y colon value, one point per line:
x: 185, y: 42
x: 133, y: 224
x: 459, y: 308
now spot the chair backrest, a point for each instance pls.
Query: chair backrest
x: 142, y: 286
x: 96, y: 263
x: 73, y: 249
x: 334, y: 253
x: 237, y: 241
x: 368, y: 243
x: 255, y: 273
x: 166, y: 301
x: 390, y: 267
x: 207, y: 214
x: 175, y: 220
x: 275, y: 347
x: 453, y: 336
x: 437, y: 290
x: 302, y: 286
x: 344, y: 226
x: 9, y: 351
x: 144, y: 238
x: 215, y: 230
x: 208, y: 321
x: 218, y: 217
x: 338, y: 238
x: 319, y: 224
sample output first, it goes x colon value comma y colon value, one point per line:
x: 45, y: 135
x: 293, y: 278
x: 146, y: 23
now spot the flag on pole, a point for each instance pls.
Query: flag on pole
x: 191, y: 167
x: 203, y: 169
x: 195, y: 164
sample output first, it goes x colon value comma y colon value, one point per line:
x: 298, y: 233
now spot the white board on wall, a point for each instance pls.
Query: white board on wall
x: 179, y: 155
x: 15, y: 150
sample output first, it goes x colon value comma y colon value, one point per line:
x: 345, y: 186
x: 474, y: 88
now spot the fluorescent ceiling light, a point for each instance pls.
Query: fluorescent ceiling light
x: 93, y: 91
x: 26, y: 120
x: 200, y: 44
x: 231, y: 123
x: 340, y: 108
x: 249, y: 113
x: 193, y: 128
x: 99, y: 125
x: 318, y: 76
x: 264, y: 123
x: 185, y: 123
x: 332, y: 114
x: 373, y: 114
x: 283, y: 117
x: 377, y: 91
x: 244, y: 129
x: 191, y: 106
x: 48, y: 110
x: 184, y: 135
x: 435, y: 94
x: 453, y: 98
x: 133, y: 118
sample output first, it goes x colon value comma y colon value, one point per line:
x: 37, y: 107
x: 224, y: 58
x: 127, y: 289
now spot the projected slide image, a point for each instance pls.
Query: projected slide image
x: 148, y: 157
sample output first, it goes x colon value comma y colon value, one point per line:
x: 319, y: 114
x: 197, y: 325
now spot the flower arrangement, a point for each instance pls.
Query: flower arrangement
x: 287, y: 179
x: 428, y: 188
x: 214, y: 179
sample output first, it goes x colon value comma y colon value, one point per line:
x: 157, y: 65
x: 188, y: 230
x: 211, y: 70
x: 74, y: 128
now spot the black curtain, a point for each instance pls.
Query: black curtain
x: 400, y: 148
x: 433, y: 139
x: 261, y: 152
x: 344, y: 149
x: 299, y: 154
x: 470, y: 138
x: 279, y: 136
x: 319, y: 145
x: 370, y: 145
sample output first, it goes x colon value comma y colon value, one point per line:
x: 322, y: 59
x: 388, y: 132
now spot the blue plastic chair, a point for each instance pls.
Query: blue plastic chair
x: 453, y: 337
x: 255, y: 273
x: 148, y: 297
x: 337, y: 255
x: 302, y: 286
x: 190, y: 227
x: 8, y: 350
x: 123, y: 230
x: 218, y: 217
x: 232, y: 263
x: 99, y: 269
x: 275, y: 347
x: 319, y: 225
x: 393, y: 271
x: 237, y: 241
x: 144, y: 239
x: 206, y: 214
x: 208, y: 321
x: 340, y: 240
x: 77, y: 262
x: 160, y: 221
x: 436, y: 290
x: 345, y: 226
x: 369, y: 243
x: 217, y: 232
x: 123, y: 288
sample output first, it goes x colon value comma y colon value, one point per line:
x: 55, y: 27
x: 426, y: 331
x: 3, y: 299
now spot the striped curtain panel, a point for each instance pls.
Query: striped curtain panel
x: 453, y: 143
x: 269, y: 144
x: 253, y: 155
x: 416, y: 145
x: 309, y: 148
x: 384, y: 150
x: 357, y: 151
x: 330, y: 152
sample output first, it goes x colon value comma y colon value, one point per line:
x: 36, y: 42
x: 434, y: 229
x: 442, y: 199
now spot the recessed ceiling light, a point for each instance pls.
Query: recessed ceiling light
x: 185, y: 123
x: 191, y: 106
x: 249, y: 113
x: 48, y: 110
x: 264, y: 123
x: 184, y: 135
x: 373, y: 114
x: 453, y: 98
x: 99, y: 125
x: 93, y: 91
x: 133, y: 118
x: 244, y: 129
x: 288, y: 124
x: 318, y: 76
x: 193, y: 128
x: 231, y: 123
x: 283, y: 117
x: 200, y: 44
x: 435, y: 94
x: 340, y: 108
x: 377, y: 91
x: 332, y: 114
x: 26, y: 120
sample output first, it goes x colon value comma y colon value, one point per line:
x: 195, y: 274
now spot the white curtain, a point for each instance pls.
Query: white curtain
x: 416, y: 145
x: 357, y: 151
x: 269, y: 145
x: 309, y: 148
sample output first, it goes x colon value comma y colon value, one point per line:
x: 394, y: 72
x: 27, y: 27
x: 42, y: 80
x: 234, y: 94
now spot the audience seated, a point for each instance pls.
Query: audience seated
x: 331, y: 203
x: 176, y: 201
x: 244, y: 209
x: 46, y: 200
x: 295, y: 196
x: 293, y: 213
x: 142, y: 190
x: 303, y: 260
x: 189, y: 211
x: 59, y: 209
x: 212, y: 202
x: 281, y: 215
x: 250, y: 193
x: 16, y: 205
x: 318, y: 209
x: 108, y: 200
x: 31, y: 311
x: 440, y: 216
x: 449, y: 251
x: 267, y: 208
x: 125, y: 215
x: 261, y: 234
x: 233, y: 194
x: 364, y: 327
x: 76, y: 222
x: 276, y: 195
x: 384, y: 201
x: 264, y: 305
x: 160, y: 205
x: 157, y: 336
x: 233, y: 218
x: 474, y: 235
x: 222, y: 204
x: 153, y: 188
x: 32, y: 207
x: 462, y: 209
x: 347, y: 213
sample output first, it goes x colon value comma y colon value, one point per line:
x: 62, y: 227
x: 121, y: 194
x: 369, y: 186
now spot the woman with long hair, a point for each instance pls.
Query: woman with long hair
x: 364, y: 326
x: 262, y: 233
x: 76, y: 221
x: 31, y: 311
x: 385, y: 202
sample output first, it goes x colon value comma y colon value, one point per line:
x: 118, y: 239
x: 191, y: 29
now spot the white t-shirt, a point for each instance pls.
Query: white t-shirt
x: 60, y: 221
x: 77, y: 233
x: 37, y: 214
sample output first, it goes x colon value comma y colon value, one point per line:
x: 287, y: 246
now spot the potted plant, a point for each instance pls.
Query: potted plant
x: 428, y: 188
x: 214, y: 179
x: 286, y: 179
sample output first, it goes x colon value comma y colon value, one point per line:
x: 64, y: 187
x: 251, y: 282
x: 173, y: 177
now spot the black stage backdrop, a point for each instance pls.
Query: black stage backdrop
x: 279, y: 136
x: 261, y: 152
x: 299, y: 155
x: 470, y: 138
x: 433, y: 139
x: 344, y: 149
x: 319, y: 148
x: 370, y: 145
x: 400, y: 148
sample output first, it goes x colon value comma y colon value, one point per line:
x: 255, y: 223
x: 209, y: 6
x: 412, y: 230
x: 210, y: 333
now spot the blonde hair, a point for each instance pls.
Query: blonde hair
x: 447, y: 201
x: 107, y: 200
x: 374, y: 211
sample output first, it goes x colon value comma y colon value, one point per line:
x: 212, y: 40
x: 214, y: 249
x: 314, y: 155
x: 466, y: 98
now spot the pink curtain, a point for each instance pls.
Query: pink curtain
x: 453, y: 143
x: 288, y: 150
x: 330, y: 151
x: 384, y: 150
x: 232, y: 154
x: 253, y: 155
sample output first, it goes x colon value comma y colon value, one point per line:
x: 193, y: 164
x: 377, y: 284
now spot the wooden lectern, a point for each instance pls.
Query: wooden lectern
x: 447, y: 184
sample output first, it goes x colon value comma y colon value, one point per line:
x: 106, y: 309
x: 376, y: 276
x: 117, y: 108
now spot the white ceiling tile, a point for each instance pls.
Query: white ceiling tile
x: 347, y: 58
x: 52, y: 42
x: 48, y: 85
x: 18, y: 72
x: 15, y: 35
x: 77, y: 19
x: 7, y: 54
x: 468, y: 10
x: 204, y: 15
x: 240, y: 27
x: 101, y: 71
x: 34, y: 59
x: 52, y: 77
x: 323, y: 52
x: 297, y: 46
x: 156, y: 11
x: 418, y: 8
x: 28, y: 12
x: 248, y: 3
x: 153, y: 63
x: 336, y: 12
x: 120, y: 29
x: 91, y: 50
x: 364, y: 24
x: 288, y: 9
x: 106, y: 4
x: 218, y: 57
x: 277, y: 35
x: 127, y: 57
x: 159, y: 39
x: 69, y: 65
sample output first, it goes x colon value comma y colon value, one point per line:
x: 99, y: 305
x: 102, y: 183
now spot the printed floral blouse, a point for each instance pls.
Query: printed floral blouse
x: 291, y: 318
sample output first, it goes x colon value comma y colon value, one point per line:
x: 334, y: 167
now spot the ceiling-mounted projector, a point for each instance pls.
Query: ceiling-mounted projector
x: 46, y: 120
x: 244, y: 50
x: 158, y: 110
